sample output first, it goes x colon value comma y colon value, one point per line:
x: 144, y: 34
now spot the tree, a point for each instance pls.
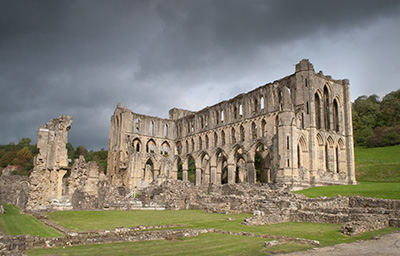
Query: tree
x: 80, y: 151
x: 23, y: 157
x: 8, y: 158
x: 391, y: 108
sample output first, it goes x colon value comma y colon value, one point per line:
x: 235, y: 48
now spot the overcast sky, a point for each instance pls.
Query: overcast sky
x: 81, y: 58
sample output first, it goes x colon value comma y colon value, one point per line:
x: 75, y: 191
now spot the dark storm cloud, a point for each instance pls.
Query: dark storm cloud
x: 82, y: 57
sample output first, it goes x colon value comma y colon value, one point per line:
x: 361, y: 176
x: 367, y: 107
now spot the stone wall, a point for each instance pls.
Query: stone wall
x: 271, y: 206
x: 14, y: 189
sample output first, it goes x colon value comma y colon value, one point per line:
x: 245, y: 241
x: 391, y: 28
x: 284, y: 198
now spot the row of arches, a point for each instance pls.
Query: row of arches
x: 326, y: 110
x: 137, y: 127
x: 234, y: 110
x: 151, y: 146
x: 220, y: 167
x: 220, y: 138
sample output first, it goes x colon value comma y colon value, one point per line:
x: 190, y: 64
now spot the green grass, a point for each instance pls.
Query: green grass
x: 205, y: 244
x: 219, y: 244
x: 327, y: 234
x: 366, y: 189
x: 378, y: 164
x: 13, y: 223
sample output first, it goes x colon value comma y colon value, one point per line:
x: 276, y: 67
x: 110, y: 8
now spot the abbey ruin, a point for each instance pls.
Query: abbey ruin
x: 244, y: 155
x: 295, y: 132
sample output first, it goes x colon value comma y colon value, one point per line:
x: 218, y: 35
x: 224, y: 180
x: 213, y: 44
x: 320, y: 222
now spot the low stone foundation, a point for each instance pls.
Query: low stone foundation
x: 271, y: 206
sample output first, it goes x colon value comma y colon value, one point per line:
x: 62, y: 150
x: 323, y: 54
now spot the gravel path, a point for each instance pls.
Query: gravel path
x: 383, y: 245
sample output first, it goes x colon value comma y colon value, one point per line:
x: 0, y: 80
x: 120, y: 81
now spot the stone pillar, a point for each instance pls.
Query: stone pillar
x: 198, y: 176
x: 213, y: 173
x: 231, y: 173
x: 60, y: 175
x: 185, y: 175
x: 348, y: 130
x: 251, y: 172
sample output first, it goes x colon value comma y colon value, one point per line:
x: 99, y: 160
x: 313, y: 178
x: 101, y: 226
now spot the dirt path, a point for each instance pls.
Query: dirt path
x: 383, y: 245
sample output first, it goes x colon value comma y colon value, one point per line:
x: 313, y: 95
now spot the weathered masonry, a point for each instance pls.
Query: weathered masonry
x: 296, y: 132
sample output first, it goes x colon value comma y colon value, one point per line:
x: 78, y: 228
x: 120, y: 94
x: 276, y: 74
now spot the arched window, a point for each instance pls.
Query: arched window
x: 337, y: 159
x: 240, y: 110
x: 335, y: 116
x: 253, y: 130
x: 317, y: 111
x: 137, y: 124
x: 222, y: 116
x: 166, y: 130
x: 215, y: 139
x: 263, y: 128
x: 136, y: 145
x: 193, y: 145
x: 233, y: 135
x: 222, y: 138
x: 326, y: 108
x: 200, y: 143
x: 150, y: 146
x: 235, y: 112
x: 241, y: 133
x: 207, y: 141
x: 298, y: 156
x: 326, y: 157
x: 151, y: 128
x: 262, y: 103
x: 255, y: 108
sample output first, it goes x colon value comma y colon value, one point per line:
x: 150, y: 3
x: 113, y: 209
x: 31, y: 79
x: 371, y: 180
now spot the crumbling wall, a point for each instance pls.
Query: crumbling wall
x: 271, y: 206
x: 51, y: 163
x: 14, y: 189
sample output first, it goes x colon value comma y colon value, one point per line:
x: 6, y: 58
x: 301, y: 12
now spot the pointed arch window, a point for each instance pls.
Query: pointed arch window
x: 262, y: 103
x: 317, y: 111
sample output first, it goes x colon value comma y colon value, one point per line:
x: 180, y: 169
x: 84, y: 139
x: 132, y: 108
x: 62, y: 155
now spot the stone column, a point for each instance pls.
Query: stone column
x: 185, y: 175
x: 213, y: 173
x: 198, y: 176
x: 60, y: 175
x: 251, y: 172
x: 348, y: 130
x: 231, y: 173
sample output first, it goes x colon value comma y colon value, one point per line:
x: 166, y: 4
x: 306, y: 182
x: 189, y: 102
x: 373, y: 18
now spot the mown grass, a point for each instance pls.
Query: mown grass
x: 366, y: 189
x: 377, y: 164
x: 209, y: 244
x: 13, y: 223
x: 327, y: 234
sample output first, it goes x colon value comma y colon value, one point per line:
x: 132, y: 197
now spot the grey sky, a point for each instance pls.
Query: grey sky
x: 81, y: 58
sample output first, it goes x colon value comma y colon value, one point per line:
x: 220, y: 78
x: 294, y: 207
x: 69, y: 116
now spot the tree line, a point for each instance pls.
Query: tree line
x: 376, y: 122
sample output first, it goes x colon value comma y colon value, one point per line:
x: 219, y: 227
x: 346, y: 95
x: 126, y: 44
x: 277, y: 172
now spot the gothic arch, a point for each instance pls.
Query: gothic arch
x: 336, y: 115
x: 320, y: 140
x: 137, y: 145
x: 220, y: 161
x: 165, y: 148
x: 151, y: 146
x: 317, y: 112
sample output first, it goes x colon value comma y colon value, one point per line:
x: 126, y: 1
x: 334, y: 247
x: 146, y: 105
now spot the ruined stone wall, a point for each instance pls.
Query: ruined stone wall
x: 299, y: 129
x: 14, y: 189
x: 271, y: 206
x: 51, y: 163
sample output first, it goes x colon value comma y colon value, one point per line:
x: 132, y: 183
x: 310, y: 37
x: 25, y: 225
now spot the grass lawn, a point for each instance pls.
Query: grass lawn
x: 13, y: 223
x: 215, y: 244
x: 366, y: 189
x: 378, y: 164
x: 327, y: 234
